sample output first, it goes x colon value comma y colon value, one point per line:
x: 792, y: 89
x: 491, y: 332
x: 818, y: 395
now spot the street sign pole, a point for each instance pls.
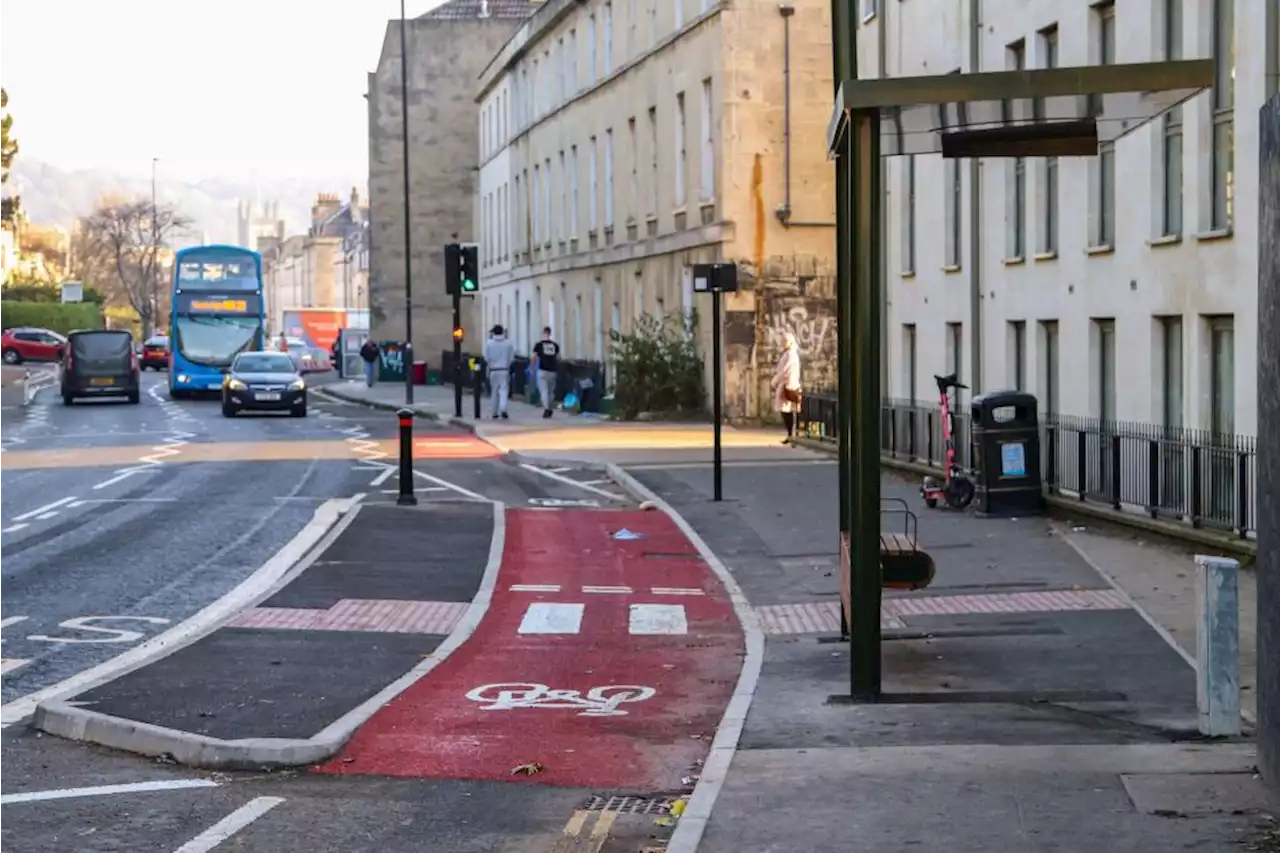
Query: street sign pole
x: 716, y: 279
x: 716, y: 396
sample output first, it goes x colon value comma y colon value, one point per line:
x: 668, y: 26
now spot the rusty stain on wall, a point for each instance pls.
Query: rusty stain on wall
x: 757, y: 199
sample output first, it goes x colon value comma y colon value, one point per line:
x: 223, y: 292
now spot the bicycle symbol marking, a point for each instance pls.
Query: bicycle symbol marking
x: 596, y: 702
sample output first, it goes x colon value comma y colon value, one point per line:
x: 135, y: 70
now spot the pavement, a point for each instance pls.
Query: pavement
x: 1028, y: 704
x: 570, y: 438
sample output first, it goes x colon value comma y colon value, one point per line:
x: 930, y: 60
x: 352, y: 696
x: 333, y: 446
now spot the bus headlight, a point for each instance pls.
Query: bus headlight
x: 298, y: 385
x: 237, y: 385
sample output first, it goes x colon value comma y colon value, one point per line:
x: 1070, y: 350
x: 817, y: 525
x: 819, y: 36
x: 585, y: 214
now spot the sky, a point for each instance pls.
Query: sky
x: 237, y: 89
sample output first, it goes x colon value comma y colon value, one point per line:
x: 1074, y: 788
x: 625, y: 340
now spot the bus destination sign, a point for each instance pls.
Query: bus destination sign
x: 189, y: 303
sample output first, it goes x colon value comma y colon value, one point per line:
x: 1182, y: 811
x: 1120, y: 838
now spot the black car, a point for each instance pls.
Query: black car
x: 100, y: 363
x: 264, y: 381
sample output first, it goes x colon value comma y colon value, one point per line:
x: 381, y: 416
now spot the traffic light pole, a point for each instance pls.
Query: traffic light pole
x: 457, y: 355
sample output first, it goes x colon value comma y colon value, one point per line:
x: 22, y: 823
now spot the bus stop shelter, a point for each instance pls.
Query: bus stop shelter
x: 1061, y: 112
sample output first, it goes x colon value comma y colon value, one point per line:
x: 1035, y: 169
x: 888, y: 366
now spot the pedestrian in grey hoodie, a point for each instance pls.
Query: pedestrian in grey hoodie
x: 498, y: 355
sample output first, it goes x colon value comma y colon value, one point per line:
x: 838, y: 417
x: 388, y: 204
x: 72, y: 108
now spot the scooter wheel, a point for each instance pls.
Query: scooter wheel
x: 960, y: 495
x: 931, y: 503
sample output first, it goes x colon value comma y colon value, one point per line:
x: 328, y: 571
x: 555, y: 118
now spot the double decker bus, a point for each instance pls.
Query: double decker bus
x: 218, y: 313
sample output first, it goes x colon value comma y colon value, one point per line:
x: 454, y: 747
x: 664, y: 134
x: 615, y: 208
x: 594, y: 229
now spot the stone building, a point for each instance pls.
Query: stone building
x: 622, y: 143
x: 1122, y: 286
x: 306, y: 270
x: 448, y: 48
x: 254, y: 220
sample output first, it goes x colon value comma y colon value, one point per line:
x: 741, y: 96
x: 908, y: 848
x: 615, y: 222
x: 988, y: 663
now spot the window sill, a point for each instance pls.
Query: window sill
x: 952, y: 268
x: 1216, y: 234
x: 707, y: 203
x: 869, y: 17
x: 1016, y: 260
x: 908, y: 274
x: 680, y: 211
x: 651, y: 219
x: 1103, y: 249
x: 592, y: 232
x: 1041, y: 257
x: 1165, y: 240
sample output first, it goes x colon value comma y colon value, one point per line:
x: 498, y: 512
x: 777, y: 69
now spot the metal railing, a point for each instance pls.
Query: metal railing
x: 1196, y: 476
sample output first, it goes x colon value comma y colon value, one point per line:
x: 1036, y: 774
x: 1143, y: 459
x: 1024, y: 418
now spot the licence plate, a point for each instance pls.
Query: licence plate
x: 267, y: 396
x: 214, y: 386
x: 102, y: 382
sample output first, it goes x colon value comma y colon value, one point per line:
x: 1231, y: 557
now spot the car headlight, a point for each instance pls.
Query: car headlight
x: 298, y: 385
x: 237, y: 385
x: 182, y: 377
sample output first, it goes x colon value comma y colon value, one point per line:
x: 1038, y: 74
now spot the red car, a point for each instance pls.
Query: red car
x: 24, y: 343
x: 155, y: 353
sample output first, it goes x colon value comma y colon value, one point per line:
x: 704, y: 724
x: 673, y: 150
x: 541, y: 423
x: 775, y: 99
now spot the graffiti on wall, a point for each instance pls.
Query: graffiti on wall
x: 815, y: 330
x: 813, y: 321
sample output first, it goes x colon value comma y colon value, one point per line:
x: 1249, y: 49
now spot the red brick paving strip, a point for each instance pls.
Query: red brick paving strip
x: 353, y: 614
x: 824, y: 616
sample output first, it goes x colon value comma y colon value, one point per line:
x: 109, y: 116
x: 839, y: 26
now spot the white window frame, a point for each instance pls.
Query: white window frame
x: 707, y: 170
x: 680, y: 177
x: 608, y: 178
x: 593, y: 187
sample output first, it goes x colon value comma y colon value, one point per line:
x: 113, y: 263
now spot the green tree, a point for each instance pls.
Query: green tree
x: 8, y: 150
x: 8, y: 145
x: 657, y: 370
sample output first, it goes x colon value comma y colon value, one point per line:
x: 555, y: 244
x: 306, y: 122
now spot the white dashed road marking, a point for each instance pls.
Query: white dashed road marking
x: 103, y: 790
x: 552, y: 618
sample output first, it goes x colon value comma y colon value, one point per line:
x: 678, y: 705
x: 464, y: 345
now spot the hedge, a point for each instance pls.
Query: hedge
x: 54, y: 316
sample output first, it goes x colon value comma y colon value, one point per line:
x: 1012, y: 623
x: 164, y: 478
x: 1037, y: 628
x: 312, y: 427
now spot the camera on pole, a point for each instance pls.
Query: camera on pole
x: 716, y: 279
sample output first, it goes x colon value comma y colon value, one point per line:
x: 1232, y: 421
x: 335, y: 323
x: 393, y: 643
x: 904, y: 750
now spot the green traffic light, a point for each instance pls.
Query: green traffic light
x: 468, y: 286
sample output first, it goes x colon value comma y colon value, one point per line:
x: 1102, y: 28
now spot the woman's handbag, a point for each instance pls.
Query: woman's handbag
x: 791, y: 395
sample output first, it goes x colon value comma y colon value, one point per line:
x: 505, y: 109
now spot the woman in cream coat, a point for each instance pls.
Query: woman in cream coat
x: 786, y: 384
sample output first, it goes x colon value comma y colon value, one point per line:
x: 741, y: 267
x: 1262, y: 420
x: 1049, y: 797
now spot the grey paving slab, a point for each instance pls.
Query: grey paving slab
x: 1061, y: 799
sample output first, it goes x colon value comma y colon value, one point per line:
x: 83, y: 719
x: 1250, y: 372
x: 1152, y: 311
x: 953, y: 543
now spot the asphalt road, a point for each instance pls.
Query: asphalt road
x: 100, y: 557
x: 116, y: 526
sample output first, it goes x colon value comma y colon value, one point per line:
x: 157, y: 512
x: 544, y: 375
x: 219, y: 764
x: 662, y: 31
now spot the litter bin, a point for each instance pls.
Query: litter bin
x: 419, y: 373
x: 1005, y: 429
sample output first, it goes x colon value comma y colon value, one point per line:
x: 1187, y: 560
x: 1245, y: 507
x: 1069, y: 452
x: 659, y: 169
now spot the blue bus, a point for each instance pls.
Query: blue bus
x: 218, y: 313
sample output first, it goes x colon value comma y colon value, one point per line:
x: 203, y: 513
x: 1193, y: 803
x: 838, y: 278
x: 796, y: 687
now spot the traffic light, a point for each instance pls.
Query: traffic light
x: 469, y: 270
x: 458, y: 334
x: 461, y: 269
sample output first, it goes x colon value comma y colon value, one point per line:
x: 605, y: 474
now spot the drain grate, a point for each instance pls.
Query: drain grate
x: 629, y: 804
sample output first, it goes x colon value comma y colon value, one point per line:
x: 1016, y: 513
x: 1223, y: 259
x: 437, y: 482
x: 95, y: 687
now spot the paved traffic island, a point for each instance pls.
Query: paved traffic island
x: 286, y: 682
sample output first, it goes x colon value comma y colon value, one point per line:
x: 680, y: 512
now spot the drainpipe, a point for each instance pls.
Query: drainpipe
x: 784, y: 212
x: 975, y: 217
x: 882, y: 69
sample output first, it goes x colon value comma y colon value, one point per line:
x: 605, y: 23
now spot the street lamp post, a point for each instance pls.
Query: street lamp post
x: 155, y: 252
x: 407, y: 360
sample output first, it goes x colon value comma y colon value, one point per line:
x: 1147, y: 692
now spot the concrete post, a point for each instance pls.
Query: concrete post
x: 1218, y: 645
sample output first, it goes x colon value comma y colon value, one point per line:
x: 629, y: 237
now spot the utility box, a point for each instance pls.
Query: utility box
x: 1006, y: 454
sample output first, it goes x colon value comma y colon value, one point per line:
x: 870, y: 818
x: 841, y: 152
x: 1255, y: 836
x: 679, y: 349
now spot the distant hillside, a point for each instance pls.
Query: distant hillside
x: 54, y: 196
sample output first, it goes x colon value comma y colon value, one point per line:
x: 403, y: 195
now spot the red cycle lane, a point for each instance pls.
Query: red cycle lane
x: 607, y: 661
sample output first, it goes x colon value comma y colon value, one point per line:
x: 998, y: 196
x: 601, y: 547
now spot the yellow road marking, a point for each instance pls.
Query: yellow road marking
x: 226, y: 451
x: 600, y: 832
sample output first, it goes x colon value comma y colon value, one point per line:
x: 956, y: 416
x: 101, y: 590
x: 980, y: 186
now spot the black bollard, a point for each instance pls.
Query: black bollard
x: 406, y: 496
x: 477, y: 376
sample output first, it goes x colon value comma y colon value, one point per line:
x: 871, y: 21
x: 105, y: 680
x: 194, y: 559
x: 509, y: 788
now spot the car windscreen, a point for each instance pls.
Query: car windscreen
x: 102, y: 345
x: 158, y: 341
x: 264, y: 364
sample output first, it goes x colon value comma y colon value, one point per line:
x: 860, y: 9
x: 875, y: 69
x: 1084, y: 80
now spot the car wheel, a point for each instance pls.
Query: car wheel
x: 12, y: 356
x: 135, y: 397
x: 67, y: 399
x: 228, y: 411
x: 299, y: 411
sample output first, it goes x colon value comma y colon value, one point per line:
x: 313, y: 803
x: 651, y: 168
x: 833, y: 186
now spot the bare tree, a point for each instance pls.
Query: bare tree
x: 130, y: 237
